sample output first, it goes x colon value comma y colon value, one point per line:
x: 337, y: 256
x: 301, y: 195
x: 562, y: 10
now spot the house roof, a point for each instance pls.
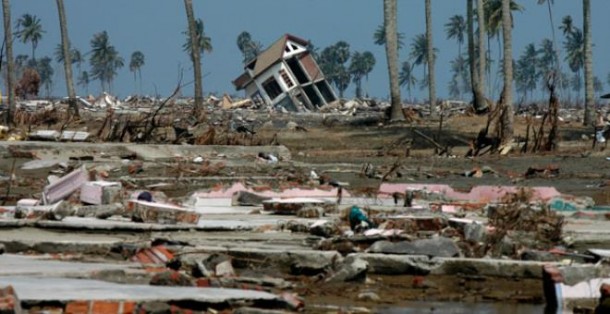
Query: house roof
x: 267, y: 58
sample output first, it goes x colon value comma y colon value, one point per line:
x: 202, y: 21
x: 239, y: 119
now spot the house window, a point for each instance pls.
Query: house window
x: 286, y: 78
x: 272, y: 88
x: 257, y: 99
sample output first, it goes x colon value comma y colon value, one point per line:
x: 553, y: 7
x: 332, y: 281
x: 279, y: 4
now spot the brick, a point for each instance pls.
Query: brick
x: 128, y: 307
x: 105, y: 307
x: 77, y: 307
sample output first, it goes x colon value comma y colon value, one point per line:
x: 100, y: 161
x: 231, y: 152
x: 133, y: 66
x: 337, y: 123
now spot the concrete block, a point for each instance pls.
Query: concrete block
x: 64, y: 186
x: 161, y: 213
x: 100, y: 192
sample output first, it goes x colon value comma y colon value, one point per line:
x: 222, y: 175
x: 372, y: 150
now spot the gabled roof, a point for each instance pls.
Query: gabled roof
x: 273, y: 53
x: 266, y: 59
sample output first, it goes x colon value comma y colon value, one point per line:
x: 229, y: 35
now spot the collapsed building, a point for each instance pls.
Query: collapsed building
x: 286, y: 75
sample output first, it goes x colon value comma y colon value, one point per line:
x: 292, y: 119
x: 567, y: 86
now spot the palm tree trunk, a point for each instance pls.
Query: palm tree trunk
x: 430, y: 55
x: 10, y: 66
x: 507, y: 93
x: 65, y: 44
x: 391, y: 50
x: 474, y: 73
x: 195, y: 55
x: 480, y: 92
x: 589, y: 101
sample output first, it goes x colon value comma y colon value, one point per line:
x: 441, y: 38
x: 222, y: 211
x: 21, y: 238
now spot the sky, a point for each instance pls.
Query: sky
x: 155, y: 27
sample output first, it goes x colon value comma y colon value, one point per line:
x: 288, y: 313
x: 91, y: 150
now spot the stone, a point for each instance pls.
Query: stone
x: 99, y: 211
x: 246, y: 198
x: 368, y: 296
x: 324, y: 228
x: 225, y: 269
x: 352, y: 269
x: 171, y: 278
x: 434, y: 247
x: 540, y: 256
x: 309, y: 264
x: 152, y: 212
x: 474, y: 232
x: 310, y: 212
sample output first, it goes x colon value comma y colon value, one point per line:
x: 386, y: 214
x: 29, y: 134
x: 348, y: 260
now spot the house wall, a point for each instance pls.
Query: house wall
x: 275, y: 72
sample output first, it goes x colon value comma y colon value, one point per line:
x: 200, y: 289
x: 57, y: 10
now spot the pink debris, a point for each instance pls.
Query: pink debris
x: 481, y: 193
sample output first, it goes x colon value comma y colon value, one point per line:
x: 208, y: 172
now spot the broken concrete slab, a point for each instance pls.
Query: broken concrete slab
x: 74, y: 136
x: 57, y: 211
x: 99, y: 211
x: 480, y: 193
x: 20, y: 265
x: 434, y: 247
x: 65, y: 186
x: 32, y: 290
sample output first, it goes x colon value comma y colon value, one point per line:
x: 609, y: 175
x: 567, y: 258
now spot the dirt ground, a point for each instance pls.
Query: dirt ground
x: 341, y: 150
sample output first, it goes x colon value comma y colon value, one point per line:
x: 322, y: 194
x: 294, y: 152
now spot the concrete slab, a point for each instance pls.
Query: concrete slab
x: 40, y: 289
x: 18, y: 265
x: 480, y: 193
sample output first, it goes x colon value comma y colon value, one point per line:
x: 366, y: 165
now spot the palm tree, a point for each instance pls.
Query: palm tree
x: 480, y: 92
x: 30, y: 30
x: 455, y: 29
x: 75, y: 54
x: 361, y: 65
x: 479, y: 103
x: 406, y: 77
x: 205, y: 42
x: 45, y: 70
x: 83, y: 81
x: 589, y: 92
x: 527, y: 71
x: 598, y: 85
x: 546, y: 57
x: 507, y: 117
x: 10, y: 72
x: 332, y: 62
x: 135, y: 65
x: 460, y: 80
x: 67, y: 57
x: 608, y: 79
x: 567, y: 25
x: 104, y: 60
x: 379, y: 37
x: 195, y: 55
x: 430, y: 56
x: 575, y: 52
x: 248, y: 47
x: 555, y: 50
x: 390, y: 12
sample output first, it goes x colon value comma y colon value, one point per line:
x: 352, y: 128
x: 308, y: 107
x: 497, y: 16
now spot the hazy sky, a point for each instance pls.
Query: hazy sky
x: 155, y: 27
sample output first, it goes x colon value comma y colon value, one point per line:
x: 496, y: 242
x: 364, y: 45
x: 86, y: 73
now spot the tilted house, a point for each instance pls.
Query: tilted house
x: 286, y: 75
